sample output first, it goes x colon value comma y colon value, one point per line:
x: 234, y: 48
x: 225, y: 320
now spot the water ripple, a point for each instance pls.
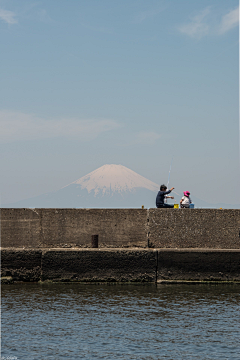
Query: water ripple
x: 77, y: 321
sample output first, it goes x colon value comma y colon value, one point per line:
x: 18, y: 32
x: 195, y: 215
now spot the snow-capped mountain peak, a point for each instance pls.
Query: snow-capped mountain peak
x: 114, y: 179
x: 110, y: 186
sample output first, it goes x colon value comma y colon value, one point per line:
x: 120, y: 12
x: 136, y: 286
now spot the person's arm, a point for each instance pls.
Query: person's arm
x: 169, y: 197
x: 168, y: 192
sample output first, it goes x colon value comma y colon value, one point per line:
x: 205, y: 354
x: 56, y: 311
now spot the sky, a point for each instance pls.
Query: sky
x: 134, y: 82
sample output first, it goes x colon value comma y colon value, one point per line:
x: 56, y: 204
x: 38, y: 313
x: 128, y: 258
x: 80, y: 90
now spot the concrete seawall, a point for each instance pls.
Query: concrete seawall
x: 120, y: 228
x: 136, y: 245
x: 57, y: 228
x: 120, y: 265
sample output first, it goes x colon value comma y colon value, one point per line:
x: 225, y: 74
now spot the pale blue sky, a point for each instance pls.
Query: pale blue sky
x: 88, y: 83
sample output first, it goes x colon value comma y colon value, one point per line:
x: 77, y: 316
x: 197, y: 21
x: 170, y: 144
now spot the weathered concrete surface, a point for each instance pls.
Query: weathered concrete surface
x: 120, y: 265
x: 208, y: 265
x: 194, y: 228
x: 20, y: 228
x: 99, y: 265
x: 67, y: 228
x: 120, y: 228
x: 21, y: 265
x: 74, y: 227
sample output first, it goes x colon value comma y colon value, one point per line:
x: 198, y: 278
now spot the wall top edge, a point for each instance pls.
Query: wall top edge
x: 121, y: 209
x: 178, y: 250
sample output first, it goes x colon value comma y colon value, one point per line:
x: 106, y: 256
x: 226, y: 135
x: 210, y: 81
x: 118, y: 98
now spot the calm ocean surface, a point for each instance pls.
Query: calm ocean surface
x: 77, y: 321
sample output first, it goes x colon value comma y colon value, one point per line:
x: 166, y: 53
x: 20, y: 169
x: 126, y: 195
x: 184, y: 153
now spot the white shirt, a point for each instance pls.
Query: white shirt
x: 186, y: 200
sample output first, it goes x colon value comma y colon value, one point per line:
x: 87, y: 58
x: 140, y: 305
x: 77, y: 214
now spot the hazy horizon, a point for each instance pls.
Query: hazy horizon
x: 110, y: 186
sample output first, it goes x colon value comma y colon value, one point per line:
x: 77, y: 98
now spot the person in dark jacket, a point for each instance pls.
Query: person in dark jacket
x: 161, y: 195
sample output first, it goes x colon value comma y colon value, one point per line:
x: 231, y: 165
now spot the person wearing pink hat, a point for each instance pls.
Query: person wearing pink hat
x: 185, y: 200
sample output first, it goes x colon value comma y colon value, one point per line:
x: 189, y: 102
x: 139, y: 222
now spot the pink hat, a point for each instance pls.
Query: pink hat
x: 186, y: 193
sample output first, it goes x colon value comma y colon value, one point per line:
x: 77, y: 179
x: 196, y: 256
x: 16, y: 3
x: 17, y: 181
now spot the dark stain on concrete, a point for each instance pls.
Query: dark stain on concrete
x: 198, y: 265
x: 135, y: 265
x: 21, y: 265
x: 111, y: 266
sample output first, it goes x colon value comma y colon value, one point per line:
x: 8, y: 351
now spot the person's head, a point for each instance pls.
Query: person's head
x: 163, y: 188
x: 186, y: 193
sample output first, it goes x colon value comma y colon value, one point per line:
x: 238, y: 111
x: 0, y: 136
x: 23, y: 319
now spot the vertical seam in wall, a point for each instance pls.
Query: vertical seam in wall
x: 41, y: 271
x: 41, y: 229
x: 156, y: 278
x: 147, y: 228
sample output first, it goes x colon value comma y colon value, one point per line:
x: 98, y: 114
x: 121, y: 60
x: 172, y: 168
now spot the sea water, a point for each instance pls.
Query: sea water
x: 87, y: 321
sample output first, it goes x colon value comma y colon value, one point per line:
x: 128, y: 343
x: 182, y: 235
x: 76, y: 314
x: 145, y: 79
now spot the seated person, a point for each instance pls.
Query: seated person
x: 185, y: 200
x: 161, y: 195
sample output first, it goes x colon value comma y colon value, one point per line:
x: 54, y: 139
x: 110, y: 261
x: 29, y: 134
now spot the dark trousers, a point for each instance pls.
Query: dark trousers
x: 165, y: 206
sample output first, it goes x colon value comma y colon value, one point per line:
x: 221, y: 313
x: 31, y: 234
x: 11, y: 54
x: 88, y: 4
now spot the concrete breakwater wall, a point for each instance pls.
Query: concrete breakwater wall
x: 120, y: 228
x: 134, y: 245
x: 120, y: 265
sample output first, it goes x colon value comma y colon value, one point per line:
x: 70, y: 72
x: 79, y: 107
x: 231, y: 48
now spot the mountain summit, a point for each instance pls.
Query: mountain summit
x: 110, y: 186
x: 110, y: 179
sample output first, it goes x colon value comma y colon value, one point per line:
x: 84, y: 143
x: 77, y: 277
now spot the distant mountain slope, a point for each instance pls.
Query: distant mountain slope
x: 110, y: 179
x: 110, y: 186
